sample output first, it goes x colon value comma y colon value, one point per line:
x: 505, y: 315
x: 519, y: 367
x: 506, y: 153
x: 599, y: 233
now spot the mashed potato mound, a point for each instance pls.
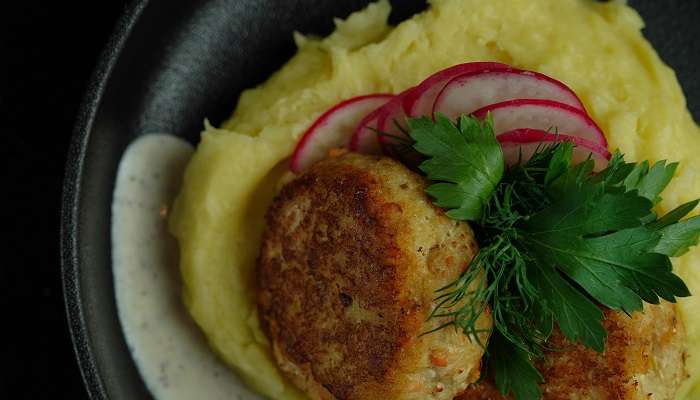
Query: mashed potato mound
x: 595, y: 48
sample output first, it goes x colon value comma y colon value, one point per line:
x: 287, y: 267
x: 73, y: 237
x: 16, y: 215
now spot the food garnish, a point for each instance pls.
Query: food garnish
x: 542, y: 115
x: 333, y: 129
x: 522, y: 99
x: 522, y: 143
x: 364, y: 138
x: 557, y: 242
x: 470, y: 91
x: 467, y: 171
x: 420, y: 100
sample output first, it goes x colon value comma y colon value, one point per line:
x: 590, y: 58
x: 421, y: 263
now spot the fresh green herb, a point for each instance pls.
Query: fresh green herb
x: 465, y: 160
x: 650, y: 183
x: 678, y: 237
x: 556, y: 240
x: 512, y: 369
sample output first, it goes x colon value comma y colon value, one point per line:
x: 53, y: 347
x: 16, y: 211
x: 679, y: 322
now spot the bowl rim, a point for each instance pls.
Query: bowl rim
x: 71, y: 265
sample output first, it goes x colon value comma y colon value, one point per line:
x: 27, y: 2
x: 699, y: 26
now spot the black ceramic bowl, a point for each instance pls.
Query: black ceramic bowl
x: 170, y: 64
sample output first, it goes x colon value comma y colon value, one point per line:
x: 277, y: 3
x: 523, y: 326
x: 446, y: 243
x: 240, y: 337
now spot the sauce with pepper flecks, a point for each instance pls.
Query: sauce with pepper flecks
x: 170, y: 352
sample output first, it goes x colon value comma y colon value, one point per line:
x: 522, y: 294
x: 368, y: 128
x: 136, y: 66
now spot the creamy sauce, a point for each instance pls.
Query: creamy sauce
x: 169, y: 350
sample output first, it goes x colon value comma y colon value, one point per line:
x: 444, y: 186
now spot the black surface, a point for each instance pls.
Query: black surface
x: 47, y: 52
x: 673, y: 27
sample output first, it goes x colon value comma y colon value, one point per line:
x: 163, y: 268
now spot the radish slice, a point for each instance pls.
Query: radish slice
x: 333, y: 129
x: 470, y: 92
x: 387, y: 124
x: 520, y: 144
x: 364, y: 138
x: 392, y: 113
x: 545, y: 115
x: 420, y: 101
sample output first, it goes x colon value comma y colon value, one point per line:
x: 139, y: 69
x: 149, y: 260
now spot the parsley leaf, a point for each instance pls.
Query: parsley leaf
x: 565, y: 236
x: 559, y: 163
x: 512, y: 369
x: 676, y: 214
x: 677, y: 238
x: 650, y: 182
x: 466, y: 161
x: 578, y: 318
x: 594, y: 234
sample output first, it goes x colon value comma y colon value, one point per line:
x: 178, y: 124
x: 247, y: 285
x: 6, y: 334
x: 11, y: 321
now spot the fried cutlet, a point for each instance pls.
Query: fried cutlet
x: 351, y: 258
x: 643, y: 360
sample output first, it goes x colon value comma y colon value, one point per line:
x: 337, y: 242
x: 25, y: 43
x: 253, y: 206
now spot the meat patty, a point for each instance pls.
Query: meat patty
x: 643, y: 360
x: 351, y: 258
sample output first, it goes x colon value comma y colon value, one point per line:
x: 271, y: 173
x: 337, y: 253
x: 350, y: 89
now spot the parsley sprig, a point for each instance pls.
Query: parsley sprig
x: 558, y: 242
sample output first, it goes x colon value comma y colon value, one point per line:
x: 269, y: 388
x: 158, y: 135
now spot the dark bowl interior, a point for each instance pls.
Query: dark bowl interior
x: 170, y: 64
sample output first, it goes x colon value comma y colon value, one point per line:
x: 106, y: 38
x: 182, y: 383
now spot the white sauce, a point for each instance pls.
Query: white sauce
x: 169, y: 350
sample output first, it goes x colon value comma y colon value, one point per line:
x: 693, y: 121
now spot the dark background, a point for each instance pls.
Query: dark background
x: 47, y: 52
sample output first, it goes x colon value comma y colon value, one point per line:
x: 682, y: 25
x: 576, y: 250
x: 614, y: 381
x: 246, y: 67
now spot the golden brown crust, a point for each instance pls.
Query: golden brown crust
x: 351, y: 257
x: 643, y: 359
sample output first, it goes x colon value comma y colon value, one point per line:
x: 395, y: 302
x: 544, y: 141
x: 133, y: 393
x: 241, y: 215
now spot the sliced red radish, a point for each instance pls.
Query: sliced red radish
x: 391, y: 122
x: 419, y: 102
x: 364, y: 138
x: 472, y: 91
x: 333, y: 129
x: 521, y: 144
x: 545, y: 115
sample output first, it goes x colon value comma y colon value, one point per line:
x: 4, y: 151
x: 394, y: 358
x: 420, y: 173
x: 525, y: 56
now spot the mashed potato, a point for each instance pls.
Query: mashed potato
x: 596, y: 48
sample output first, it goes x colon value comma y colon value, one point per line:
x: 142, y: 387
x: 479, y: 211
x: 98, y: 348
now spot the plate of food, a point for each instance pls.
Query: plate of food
x: 364, y: 200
